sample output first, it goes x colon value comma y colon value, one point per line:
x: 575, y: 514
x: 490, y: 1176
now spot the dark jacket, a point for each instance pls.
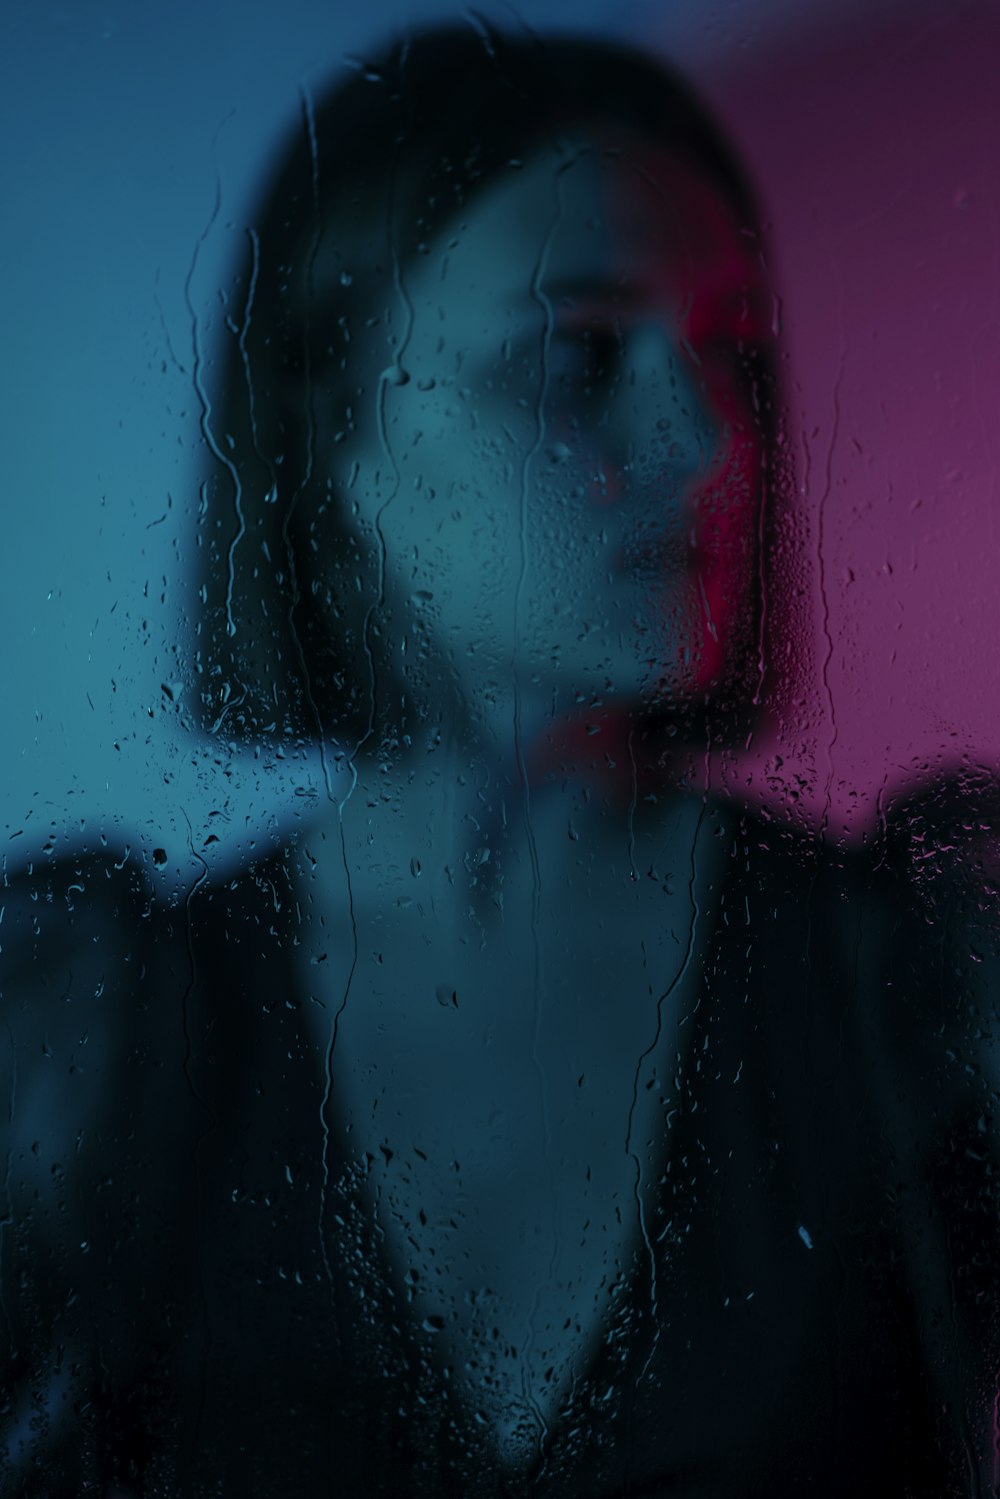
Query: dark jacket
x: 195, y: 1304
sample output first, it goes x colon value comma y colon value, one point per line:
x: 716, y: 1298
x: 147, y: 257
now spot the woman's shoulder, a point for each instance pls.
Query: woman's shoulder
x: 83, y: 948
x: 945, y: 830
x: 906, y: 915
x: 72, y: 931
x: 102, y: 911
x: 930, y: 836
x: 933, y: 861
x: 109, y: 981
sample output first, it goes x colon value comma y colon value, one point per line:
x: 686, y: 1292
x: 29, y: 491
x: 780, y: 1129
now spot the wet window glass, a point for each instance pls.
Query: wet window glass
x: 498, y: 935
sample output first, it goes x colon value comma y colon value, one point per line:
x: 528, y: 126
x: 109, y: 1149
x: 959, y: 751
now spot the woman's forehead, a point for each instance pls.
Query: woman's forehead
x: 583, y: 223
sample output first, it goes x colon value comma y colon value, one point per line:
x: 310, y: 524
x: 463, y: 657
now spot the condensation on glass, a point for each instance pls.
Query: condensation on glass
x: 477, y: 1091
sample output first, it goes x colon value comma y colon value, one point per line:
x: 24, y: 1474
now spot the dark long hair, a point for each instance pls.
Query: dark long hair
x: 290, y: 643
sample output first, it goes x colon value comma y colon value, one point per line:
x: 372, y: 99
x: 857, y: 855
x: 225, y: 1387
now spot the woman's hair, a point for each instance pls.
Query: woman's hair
x: 290, y: 642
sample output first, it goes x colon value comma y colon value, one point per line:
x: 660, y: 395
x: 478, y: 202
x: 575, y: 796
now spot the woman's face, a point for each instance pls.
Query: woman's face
x: 553, y: 466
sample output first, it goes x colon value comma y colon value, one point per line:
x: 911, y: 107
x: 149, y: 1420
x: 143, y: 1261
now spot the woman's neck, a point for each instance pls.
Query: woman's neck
x: 497, y: 967
x: 623, y: 755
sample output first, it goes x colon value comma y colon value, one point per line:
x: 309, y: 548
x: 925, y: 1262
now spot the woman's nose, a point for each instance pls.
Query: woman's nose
x: 662, y: 412
x: 658, y: 435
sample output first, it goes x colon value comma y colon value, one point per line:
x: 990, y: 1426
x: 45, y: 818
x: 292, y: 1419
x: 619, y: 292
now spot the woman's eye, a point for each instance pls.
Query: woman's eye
x: 585, y: 365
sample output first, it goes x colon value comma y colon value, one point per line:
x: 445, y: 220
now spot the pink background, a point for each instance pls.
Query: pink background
x: 875, y: 150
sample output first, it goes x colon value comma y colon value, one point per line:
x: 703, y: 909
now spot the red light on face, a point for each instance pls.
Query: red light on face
x: 683, y: 250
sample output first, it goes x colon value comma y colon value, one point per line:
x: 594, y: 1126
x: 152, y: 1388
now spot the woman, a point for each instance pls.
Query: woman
x: 516, y: 1131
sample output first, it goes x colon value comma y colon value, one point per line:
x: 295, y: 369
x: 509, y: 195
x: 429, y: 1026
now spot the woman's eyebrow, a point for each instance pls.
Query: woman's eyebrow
x: 619, y: 304
x: 591, y: 291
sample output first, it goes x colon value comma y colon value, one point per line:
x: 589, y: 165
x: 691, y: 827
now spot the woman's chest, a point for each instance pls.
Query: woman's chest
x: 538, y: 972
x: 505, y: 1021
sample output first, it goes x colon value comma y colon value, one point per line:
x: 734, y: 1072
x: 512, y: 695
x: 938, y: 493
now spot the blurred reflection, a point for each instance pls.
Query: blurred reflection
x: 536, y: 1122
